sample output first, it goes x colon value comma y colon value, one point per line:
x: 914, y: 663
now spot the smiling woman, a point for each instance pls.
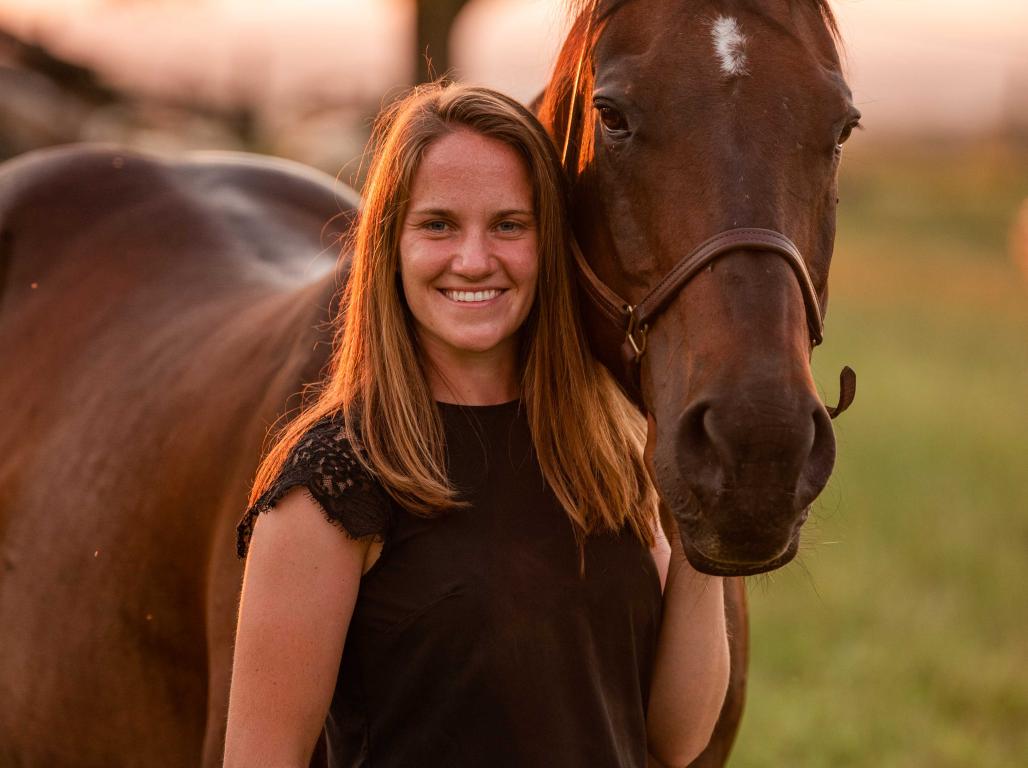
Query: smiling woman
x: 465, y: 550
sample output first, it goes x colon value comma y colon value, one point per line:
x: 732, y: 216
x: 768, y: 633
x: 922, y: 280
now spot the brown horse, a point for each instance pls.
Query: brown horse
x: 703, y: 140
x: 158, y: 315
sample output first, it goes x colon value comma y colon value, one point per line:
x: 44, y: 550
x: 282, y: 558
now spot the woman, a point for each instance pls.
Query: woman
x: 493, y: 597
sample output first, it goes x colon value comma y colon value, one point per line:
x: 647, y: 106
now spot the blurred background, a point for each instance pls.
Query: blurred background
x: 900, y: 636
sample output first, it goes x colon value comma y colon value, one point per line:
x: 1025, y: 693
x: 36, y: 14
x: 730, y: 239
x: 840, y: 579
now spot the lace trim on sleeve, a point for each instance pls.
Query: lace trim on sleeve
x: 323, y: 462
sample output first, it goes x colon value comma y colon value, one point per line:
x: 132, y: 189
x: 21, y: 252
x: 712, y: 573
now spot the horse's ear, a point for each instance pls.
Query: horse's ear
x: 536, y: 104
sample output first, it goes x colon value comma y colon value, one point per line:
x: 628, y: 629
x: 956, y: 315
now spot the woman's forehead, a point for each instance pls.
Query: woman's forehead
x: 464, y: 164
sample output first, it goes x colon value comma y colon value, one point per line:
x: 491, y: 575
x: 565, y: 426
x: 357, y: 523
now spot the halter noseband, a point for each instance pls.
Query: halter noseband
x: 635, y: 320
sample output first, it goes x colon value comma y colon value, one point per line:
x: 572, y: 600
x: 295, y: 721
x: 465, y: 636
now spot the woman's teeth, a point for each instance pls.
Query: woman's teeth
x: 472, y: 295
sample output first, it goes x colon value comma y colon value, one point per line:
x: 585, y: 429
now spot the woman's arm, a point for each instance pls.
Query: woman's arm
x: 299, y: 589
x: 690, y: 674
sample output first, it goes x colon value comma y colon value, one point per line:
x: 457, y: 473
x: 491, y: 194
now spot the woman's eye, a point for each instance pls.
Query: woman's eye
x: 437, y: 226
x: 509, y: 227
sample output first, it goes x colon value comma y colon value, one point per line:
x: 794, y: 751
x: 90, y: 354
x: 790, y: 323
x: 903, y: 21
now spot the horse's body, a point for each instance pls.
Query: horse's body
x: 156, y: 317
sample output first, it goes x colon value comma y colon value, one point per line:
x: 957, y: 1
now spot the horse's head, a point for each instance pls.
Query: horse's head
x: 681, y: 120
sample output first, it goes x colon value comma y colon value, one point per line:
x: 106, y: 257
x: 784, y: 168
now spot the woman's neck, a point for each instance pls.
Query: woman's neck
x: 488, y: 378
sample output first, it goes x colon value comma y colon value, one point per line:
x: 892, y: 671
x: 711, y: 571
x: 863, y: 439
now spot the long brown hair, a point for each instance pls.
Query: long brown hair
x: 588, y: 438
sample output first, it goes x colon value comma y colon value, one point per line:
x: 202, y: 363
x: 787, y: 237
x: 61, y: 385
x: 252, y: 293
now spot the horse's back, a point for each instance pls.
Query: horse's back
x: 154, y: 317
x: 210, y: 213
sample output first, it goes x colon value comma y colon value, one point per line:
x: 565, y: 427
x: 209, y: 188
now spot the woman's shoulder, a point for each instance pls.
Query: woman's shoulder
x: 325, y: 463
x: 325, y: 448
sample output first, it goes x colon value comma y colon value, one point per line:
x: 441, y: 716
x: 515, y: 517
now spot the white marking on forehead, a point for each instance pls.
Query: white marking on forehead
x: 730, y: 46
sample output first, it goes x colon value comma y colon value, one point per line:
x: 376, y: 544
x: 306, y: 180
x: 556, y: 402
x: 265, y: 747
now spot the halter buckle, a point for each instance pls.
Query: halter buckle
x: 636, y: 333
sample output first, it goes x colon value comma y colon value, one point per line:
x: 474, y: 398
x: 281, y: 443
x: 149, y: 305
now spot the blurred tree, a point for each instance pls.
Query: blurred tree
x: 434, y: 21
x: 76, y: 79
x: 125, y: 109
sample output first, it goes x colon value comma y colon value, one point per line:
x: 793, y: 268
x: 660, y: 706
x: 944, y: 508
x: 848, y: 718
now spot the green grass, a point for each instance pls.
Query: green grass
x: 900, y: 638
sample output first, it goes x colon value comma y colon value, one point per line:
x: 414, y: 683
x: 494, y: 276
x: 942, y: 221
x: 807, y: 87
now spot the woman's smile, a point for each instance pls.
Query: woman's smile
x: 473, y: 298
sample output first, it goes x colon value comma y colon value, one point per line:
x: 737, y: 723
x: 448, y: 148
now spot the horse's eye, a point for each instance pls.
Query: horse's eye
x: 847, y: 130
x: 612, y: 120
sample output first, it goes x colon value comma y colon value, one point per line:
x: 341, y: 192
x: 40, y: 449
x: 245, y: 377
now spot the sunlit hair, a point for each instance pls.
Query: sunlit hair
x: 588, y: 438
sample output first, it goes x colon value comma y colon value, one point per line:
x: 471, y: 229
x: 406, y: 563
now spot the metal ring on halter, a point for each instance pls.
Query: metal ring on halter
x: 639, y: 347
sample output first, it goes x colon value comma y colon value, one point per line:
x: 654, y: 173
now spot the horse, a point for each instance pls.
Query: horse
x: 163, y: 314
x: 703, y: 141
x: 155, y: 318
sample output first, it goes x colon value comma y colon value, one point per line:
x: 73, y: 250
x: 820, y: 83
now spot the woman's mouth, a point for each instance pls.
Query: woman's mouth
x: 471, y: 297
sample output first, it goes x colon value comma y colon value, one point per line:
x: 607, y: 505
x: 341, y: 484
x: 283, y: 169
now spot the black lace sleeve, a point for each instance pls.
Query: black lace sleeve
x: 323, y: 462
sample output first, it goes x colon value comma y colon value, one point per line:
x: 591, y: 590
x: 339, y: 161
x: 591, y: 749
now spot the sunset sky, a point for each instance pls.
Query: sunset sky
x: 915, y: 65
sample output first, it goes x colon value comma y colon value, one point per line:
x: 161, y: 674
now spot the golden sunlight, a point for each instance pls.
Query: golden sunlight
x: 956, y: 66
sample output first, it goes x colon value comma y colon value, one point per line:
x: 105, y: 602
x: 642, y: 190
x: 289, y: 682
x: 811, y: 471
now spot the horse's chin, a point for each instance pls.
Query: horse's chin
x: 725, y: 566
x: 711, y: 553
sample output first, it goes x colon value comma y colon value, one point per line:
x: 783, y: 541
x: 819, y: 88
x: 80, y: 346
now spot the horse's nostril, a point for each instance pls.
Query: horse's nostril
x: 698, y: 453
x: 694, y: 425
x: 821, y: 459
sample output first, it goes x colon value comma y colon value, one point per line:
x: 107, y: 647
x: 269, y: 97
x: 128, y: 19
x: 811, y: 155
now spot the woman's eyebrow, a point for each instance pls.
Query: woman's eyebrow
x: 446, y: 212
x: 432, y: 212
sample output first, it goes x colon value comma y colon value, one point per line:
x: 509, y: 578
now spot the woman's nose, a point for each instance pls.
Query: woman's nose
x: 473, y: 258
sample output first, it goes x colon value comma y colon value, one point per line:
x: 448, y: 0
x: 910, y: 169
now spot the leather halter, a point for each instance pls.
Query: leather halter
x: 635, y: 320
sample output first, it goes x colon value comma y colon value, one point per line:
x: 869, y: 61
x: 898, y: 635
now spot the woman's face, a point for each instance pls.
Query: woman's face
x: 468, y: 251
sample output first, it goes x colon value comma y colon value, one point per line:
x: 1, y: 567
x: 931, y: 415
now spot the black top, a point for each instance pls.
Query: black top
x: 476, y: 639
